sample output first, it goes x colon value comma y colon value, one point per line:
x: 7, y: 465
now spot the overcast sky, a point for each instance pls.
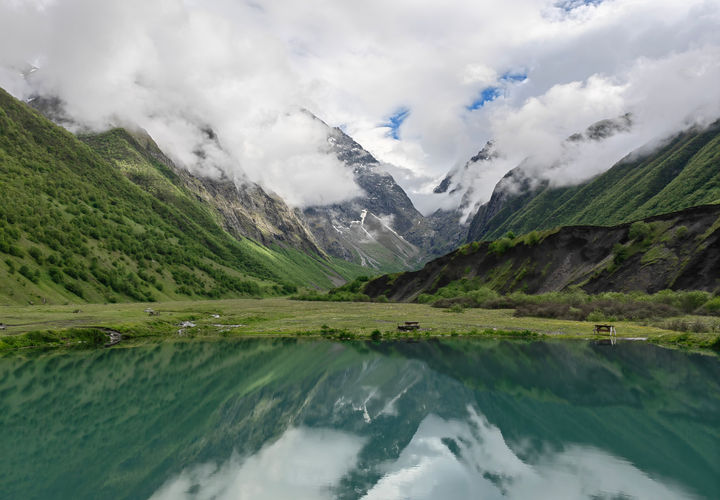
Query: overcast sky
x: 420, y: 84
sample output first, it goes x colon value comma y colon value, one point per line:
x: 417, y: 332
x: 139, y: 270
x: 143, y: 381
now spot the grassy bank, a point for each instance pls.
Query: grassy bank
x: 88, y: 324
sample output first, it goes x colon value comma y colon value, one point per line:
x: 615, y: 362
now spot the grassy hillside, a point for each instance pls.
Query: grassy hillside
x: 684, y: 172
x: 76, y: 226
x: 142, y: 162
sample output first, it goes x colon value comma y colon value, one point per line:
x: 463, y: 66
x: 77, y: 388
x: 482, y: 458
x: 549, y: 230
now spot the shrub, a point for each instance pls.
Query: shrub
x: 74, y: 288
x: 36, y: 254
x: 55, y: 274
x: 425, y: 298
x: 499, y: 247
x: 685, y: 301
x: 598, y: 309
x: 680, y: 232
x: 531, y: 239
x: 639, y: 231
x: 483, y: 295
x: 621, y: 252
x: 454, y: 303
x: 711, y: 307
x: 692, y: 325
x: 27, y: 273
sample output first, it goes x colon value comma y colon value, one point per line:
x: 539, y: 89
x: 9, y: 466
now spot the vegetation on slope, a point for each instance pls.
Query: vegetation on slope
x: 75, y: 228
x: 143, y: 165
x: 678, y: 251
x: 681, y: 173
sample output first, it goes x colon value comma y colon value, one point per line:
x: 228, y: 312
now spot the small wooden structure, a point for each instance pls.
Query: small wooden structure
x: 606, y: 329
x: 409, y: 326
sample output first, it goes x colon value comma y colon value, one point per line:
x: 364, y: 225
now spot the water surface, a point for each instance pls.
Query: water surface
x: 289, y: 418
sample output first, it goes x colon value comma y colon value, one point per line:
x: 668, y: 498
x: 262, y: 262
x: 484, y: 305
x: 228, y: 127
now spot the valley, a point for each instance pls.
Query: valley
x: 106, y: 222
x: 359, y: 250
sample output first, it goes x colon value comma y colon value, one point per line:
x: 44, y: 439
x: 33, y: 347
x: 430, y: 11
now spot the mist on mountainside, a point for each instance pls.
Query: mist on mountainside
x: 419, y: 104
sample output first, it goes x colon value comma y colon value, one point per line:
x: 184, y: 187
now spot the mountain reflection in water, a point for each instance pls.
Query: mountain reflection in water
x: 315, y: 419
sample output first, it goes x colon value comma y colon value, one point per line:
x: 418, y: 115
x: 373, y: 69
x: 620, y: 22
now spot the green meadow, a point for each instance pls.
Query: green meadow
x: 86, y: 325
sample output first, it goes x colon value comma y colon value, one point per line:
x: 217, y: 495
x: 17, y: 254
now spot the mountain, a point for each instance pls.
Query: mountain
x: 380, y: 229
x: 391, y: 236
x: 679, y: 251
x: 452, y: 225
x: 459, y: 179
x: 682, y: 172
x: 115, y: 222
x: 245, y: 209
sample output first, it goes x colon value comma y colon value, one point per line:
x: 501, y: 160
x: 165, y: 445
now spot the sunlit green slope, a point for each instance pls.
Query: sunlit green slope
x: 75, y: 227
x: 682, y: 173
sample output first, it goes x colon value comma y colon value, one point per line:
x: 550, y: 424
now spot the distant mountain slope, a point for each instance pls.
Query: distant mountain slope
x: 381, y: 228
x: 397, y: 236
x: 680, y: 250
x: 74, y: 227
x: 683, y: 172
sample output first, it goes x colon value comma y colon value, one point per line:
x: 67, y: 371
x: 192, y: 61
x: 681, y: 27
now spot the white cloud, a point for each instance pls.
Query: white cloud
x: 241, y: 67
x: 179, y: 72
x: 302, y: 464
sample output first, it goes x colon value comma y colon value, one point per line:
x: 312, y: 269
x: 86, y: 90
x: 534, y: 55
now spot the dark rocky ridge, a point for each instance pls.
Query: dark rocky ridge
x: 680, y: 252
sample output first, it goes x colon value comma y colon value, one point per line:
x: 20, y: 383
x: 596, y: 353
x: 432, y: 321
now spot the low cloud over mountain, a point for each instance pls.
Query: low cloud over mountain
x: 421, y: 85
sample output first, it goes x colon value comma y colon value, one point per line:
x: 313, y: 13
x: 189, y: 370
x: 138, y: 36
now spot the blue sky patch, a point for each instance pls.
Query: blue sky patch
x: 486, y: 95
x: 394, y: 122
x: 568, y: 5
x: 514, y: 77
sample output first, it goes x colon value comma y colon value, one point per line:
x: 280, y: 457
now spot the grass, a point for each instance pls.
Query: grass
x: 66, y: 325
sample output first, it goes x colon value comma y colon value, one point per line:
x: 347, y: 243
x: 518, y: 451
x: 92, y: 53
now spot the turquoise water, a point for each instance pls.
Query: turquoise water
x: 315, y: 419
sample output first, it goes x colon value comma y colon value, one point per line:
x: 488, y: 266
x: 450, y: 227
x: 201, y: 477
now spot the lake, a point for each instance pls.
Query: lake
x: 294, y: 418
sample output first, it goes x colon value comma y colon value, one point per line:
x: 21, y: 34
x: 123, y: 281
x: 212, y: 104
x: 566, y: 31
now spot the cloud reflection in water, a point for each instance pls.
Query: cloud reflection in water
x: 448, y: 459
x: 303, y: 464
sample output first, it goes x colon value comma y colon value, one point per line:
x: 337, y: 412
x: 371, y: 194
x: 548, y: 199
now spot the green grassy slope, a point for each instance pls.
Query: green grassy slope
x: 141, y: 164
x: 684, y: 172
x: 74, y: 227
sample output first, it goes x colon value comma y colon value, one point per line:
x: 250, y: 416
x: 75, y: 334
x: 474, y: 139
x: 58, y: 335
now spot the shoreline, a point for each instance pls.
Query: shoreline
x: 129, y: 341
x: 74, y: 326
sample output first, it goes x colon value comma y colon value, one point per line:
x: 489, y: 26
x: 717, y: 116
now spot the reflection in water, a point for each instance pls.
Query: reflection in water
x: 448, y: 459
x: 302, y: 464
x: 308, y: 419
x: 459, y: 460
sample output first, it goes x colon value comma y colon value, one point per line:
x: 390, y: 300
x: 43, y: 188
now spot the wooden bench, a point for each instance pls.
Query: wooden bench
x: 409, y: 326
x: 610, y: 330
